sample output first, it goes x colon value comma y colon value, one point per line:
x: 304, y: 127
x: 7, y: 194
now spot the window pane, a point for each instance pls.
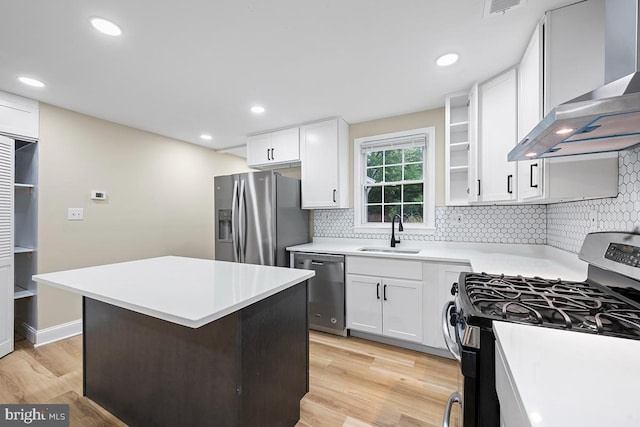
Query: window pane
x: 413, y: 213
x: 374, y: 175
x: 413, y: 193
x: 392, y: 194
x: 390, y: 211
x: 373, y: 194
x: 374, y: 213
x: 413, y: 172
x: 393, y: 173
x: 413, y: 154
x: 374, y: 159
x: 393, y: 157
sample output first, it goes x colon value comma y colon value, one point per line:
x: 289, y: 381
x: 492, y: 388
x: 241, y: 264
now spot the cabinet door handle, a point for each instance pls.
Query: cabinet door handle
x: 378, y: 290
x: 384, y: 292
x: 531, y: 175
x: 478, y: 187
x: 509, y: 178
x: 272, y: 156
x: 334, y: 195
x: 268, y: 155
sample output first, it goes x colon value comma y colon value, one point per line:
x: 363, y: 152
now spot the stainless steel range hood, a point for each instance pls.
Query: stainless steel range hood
x: 607, y: 118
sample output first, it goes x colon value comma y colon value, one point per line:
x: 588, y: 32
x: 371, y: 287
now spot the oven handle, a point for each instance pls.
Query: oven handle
x: 454, y: 398
x: 452, y: 345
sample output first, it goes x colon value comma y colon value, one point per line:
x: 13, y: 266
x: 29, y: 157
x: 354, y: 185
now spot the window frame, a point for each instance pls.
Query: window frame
x: 429, y: 187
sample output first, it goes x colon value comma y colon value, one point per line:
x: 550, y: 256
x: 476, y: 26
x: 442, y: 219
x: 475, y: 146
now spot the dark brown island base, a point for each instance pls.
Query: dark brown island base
x: 174, y: 341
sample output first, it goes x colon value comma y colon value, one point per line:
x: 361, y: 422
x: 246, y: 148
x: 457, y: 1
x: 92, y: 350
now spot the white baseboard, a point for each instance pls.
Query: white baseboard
x: 26, y: 331
x: 56, y: 333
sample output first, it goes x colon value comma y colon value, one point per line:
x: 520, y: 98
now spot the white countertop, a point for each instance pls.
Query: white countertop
x: 567, y: 378
x: 188, y: 291
x: 498, y: 258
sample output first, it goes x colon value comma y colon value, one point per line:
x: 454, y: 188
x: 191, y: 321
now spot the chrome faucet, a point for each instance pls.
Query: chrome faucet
x: 394, y: 241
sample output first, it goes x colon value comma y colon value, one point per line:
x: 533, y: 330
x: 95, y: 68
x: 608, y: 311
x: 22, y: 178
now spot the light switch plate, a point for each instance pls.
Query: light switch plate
x: 75, y: 214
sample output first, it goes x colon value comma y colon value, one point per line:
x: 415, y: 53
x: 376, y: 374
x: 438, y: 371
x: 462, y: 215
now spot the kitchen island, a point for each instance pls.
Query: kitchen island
x: 182, y: 341
x: 554, y: 377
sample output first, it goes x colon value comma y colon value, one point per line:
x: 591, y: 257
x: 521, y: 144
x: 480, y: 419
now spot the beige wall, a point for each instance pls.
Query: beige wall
x: 160, y: 199
x: 399, y: 123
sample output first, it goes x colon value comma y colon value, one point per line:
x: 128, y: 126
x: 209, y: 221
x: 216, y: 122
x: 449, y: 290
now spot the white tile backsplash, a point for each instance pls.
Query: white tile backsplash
x: 563, y: 225
x: 568, y: 223
x: 486, y: 224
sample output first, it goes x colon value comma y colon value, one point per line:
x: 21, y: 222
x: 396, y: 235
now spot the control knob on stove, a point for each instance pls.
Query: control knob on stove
x: 454, y: 289
x: 453, y: 319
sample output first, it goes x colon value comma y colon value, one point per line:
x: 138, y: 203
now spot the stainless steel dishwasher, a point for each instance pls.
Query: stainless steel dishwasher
x: 326, y: 291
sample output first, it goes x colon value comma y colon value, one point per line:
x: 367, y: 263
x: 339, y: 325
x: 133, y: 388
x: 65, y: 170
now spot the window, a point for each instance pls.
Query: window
x: 394, y: 175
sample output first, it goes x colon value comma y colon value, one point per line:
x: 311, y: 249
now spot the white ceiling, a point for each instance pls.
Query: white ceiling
x: 183, y: 68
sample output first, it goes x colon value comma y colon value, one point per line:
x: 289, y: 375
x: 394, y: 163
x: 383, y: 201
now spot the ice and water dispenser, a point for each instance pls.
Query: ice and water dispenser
x: 225, y: 232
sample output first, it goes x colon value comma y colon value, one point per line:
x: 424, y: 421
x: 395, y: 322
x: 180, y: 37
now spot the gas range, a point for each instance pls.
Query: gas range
x: 606, y: 303
x: 577, y: 306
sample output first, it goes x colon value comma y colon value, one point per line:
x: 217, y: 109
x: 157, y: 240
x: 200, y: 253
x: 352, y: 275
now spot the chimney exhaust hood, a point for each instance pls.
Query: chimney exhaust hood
x: 605, y: 119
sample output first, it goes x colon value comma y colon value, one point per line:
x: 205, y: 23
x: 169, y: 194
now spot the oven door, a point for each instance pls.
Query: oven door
x: 449, y: 332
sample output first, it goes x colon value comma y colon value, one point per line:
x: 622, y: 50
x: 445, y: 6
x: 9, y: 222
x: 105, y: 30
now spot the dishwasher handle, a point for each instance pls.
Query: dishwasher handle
x: 316, y: 259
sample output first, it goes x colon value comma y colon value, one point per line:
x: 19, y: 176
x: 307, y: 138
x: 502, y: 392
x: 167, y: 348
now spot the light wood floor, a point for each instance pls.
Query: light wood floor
x: 353, y: 382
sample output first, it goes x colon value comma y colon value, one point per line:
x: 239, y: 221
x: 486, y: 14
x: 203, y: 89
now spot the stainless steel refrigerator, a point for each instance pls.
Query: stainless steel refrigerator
x: 257, y: 215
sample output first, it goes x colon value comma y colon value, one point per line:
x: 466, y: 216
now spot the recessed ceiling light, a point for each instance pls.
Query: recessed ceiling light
x: 564, y: 131
x: 447, y: 59
x: 531, y: 154
x: 206, y: 137
x: 105, y: 26
x: 31, y: 82
x: 257, y: 109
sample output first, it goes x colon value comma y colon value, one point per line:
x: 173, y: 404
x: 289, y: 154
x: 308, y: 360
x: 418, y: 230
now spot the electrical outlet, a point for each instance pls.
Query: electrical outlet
x: 593, y: 221
x: 75, y: 214
x: 457, y: 218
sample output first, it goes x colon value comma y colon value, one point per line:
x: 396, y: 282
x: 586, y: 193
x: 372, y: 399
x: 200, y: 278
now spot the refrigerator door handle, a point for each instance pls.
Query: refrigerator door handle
x: 242, y: 226
x: 234, y: 223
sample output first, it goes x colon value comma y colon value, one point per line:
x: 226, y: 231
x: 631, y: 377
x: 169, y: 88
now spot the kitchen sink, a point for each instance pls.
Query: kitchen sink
x: 390, y: 250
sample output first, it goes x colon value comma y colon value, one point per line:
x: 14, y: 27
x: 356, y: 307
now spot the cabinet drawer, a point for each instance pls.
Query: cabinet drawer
x: 396, y: 268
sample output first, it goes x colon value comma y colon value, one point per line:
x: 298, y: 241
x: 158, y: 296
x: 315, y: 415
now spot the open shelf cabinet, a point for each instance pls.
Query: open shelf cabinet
x: 25, y: 233
x: 460, y: 142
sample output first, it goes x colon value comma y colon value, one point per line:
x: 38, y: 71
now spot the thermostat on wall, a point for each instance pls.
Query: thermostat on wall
x: 98, y: 195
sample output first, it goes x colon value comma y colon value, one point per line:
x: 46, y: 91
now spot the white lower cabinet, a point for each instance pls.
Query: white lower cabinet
x: 399, y: 298
x: 384, y: 297
x: 438, y: 278
x: 364, y: 308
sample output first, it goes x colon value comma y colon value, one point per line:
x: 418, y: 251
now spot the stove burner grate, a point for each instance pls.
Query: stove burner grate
x: 555, y: 303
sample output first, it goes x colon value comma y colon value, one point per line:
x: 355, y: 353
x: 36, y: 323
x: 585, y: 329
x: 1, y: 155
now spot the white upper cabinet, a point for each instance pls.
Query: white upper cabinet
x: 497, y: 134
x: 563, y: 60
x: 19, y: 116
x: 573, y: 51
x: 324, y: 157
x: 274, y: 149
x: 530, y: 77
